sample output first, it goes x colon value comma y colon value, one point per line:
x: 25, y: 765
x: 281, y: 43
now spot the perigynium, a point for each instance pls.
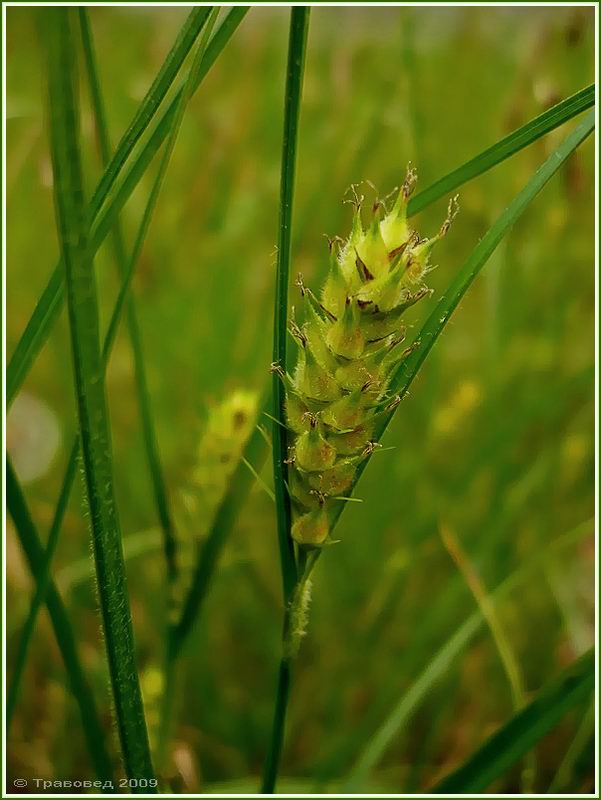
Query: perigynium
x: 349, y: 344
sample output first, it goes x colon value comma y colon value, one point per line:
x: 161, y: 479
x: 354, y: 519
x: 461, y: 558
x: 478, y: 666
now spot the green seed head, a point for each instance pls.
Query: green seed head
x: 348, y: 348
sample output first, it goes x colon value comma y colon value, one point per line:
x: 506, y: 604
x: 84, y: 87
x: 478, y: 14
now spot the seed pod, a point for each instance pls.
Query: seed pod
x: 348, y: 348
x: 311, y: 529
x: 312, y: 452
x: 345, y: 337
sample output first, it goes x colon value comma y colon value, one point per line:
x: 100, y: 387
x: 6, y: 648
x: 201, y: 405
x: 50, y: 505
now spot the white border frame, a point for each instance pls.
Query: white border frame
x: 550, y: 3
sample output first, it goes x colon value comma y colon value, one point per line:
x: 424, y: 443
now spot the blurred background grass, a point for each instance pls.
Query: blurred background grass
x: 495, y: 441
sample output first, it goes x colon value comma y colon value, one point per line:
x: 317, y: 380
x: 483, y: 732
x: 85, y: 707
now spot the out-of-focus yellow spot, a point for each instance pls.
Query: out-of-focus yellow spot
x: 465, y: 398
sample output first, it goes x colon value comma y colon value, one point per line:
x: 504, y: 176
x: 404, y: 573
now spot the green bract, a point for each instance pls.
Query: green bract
x: 348, y: 347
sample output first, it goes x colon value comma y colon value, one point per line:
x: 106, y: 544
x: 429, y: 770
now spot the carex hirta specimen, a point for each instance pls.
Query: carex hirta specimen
x: 349, y: 344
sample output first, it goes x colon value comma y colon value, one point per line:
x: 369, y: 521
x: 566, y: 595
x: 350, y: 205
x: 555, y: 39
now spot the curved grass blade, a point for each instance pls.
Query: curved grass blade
x: 34, y: 553
x: 524, y: 730
x: 433, y: 671
x: 297, y: 44
x: 50, y: 303
x: 110, y: 166
x: 436, y: 322
x: 512, y: 143
x: 72, y: 225
x: 71, y: 469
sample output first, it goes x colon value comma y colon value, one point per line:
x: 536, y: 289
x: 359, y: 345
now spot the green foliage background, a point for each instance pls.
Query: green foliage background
x: 495, y: 441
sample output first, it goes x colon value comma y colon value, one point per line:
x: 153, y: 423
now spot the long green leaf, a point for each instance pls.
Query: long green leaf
x: 65, y: 638
x: 299, y: 26
x: 51, y: 300
x: 517, y: 737
x: 71, y: 468
x: 512, y: 143
x: 72, y: 226
x: 438, y: 319
x: 297, y: 45
x: 433, y: 671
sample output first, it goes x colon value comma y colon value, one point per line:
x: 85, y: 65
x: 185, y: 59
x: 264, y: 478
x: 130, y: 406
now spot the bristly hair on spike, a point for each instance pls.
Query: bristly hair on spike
x: 347, y: 353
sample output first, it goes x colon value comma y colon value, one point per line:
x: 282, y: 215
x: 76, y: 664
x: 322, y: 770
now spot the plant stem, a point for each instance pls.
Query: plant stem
x: 272, y: 763
x: 297, y: 43
x: 73, y: 230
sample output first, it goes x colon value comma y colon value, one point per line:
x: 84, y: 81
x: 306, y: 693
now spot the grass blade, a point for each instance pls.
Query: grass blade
x: 438, y: 319
x: 72, y: 225
x: 433, y: 671
x: 34, y: 553
x: 71, y: 469
x: 297, y: 44
x: 51, y: 300
x: 512, y: 143
x: 299, y: 26
x: 524, y: 730
x: 507, y: 656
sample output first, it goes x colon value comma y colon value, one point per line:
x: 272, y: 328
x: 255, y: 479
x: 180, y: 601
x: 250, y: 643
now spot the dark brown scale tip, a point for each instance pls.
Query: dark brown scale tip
x: 363, y: 304
x: 311, y: 417
x: 321, y: 496
x: 276, y: 367
x: 370, y: 447
x: 333, y: 241
x: 362, y: 269
x: 297, y: 332
x: 411, y: 242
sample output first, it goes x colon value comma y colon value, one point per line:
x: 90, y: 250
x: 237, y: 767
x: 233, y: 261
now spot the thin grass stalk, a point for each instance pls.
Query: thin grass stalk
x: 33, y: 549
x: 73, y: 230
x: 148, y: 429
x: 507, y: 656
x: 297, y: 43
x: 50, y: 303
x: 71, y: 468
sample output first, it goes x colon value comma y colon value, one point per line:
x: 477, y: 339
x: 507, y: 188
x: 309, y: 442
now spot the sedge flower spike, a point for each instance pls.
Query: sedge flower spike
x: 348, y: 349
